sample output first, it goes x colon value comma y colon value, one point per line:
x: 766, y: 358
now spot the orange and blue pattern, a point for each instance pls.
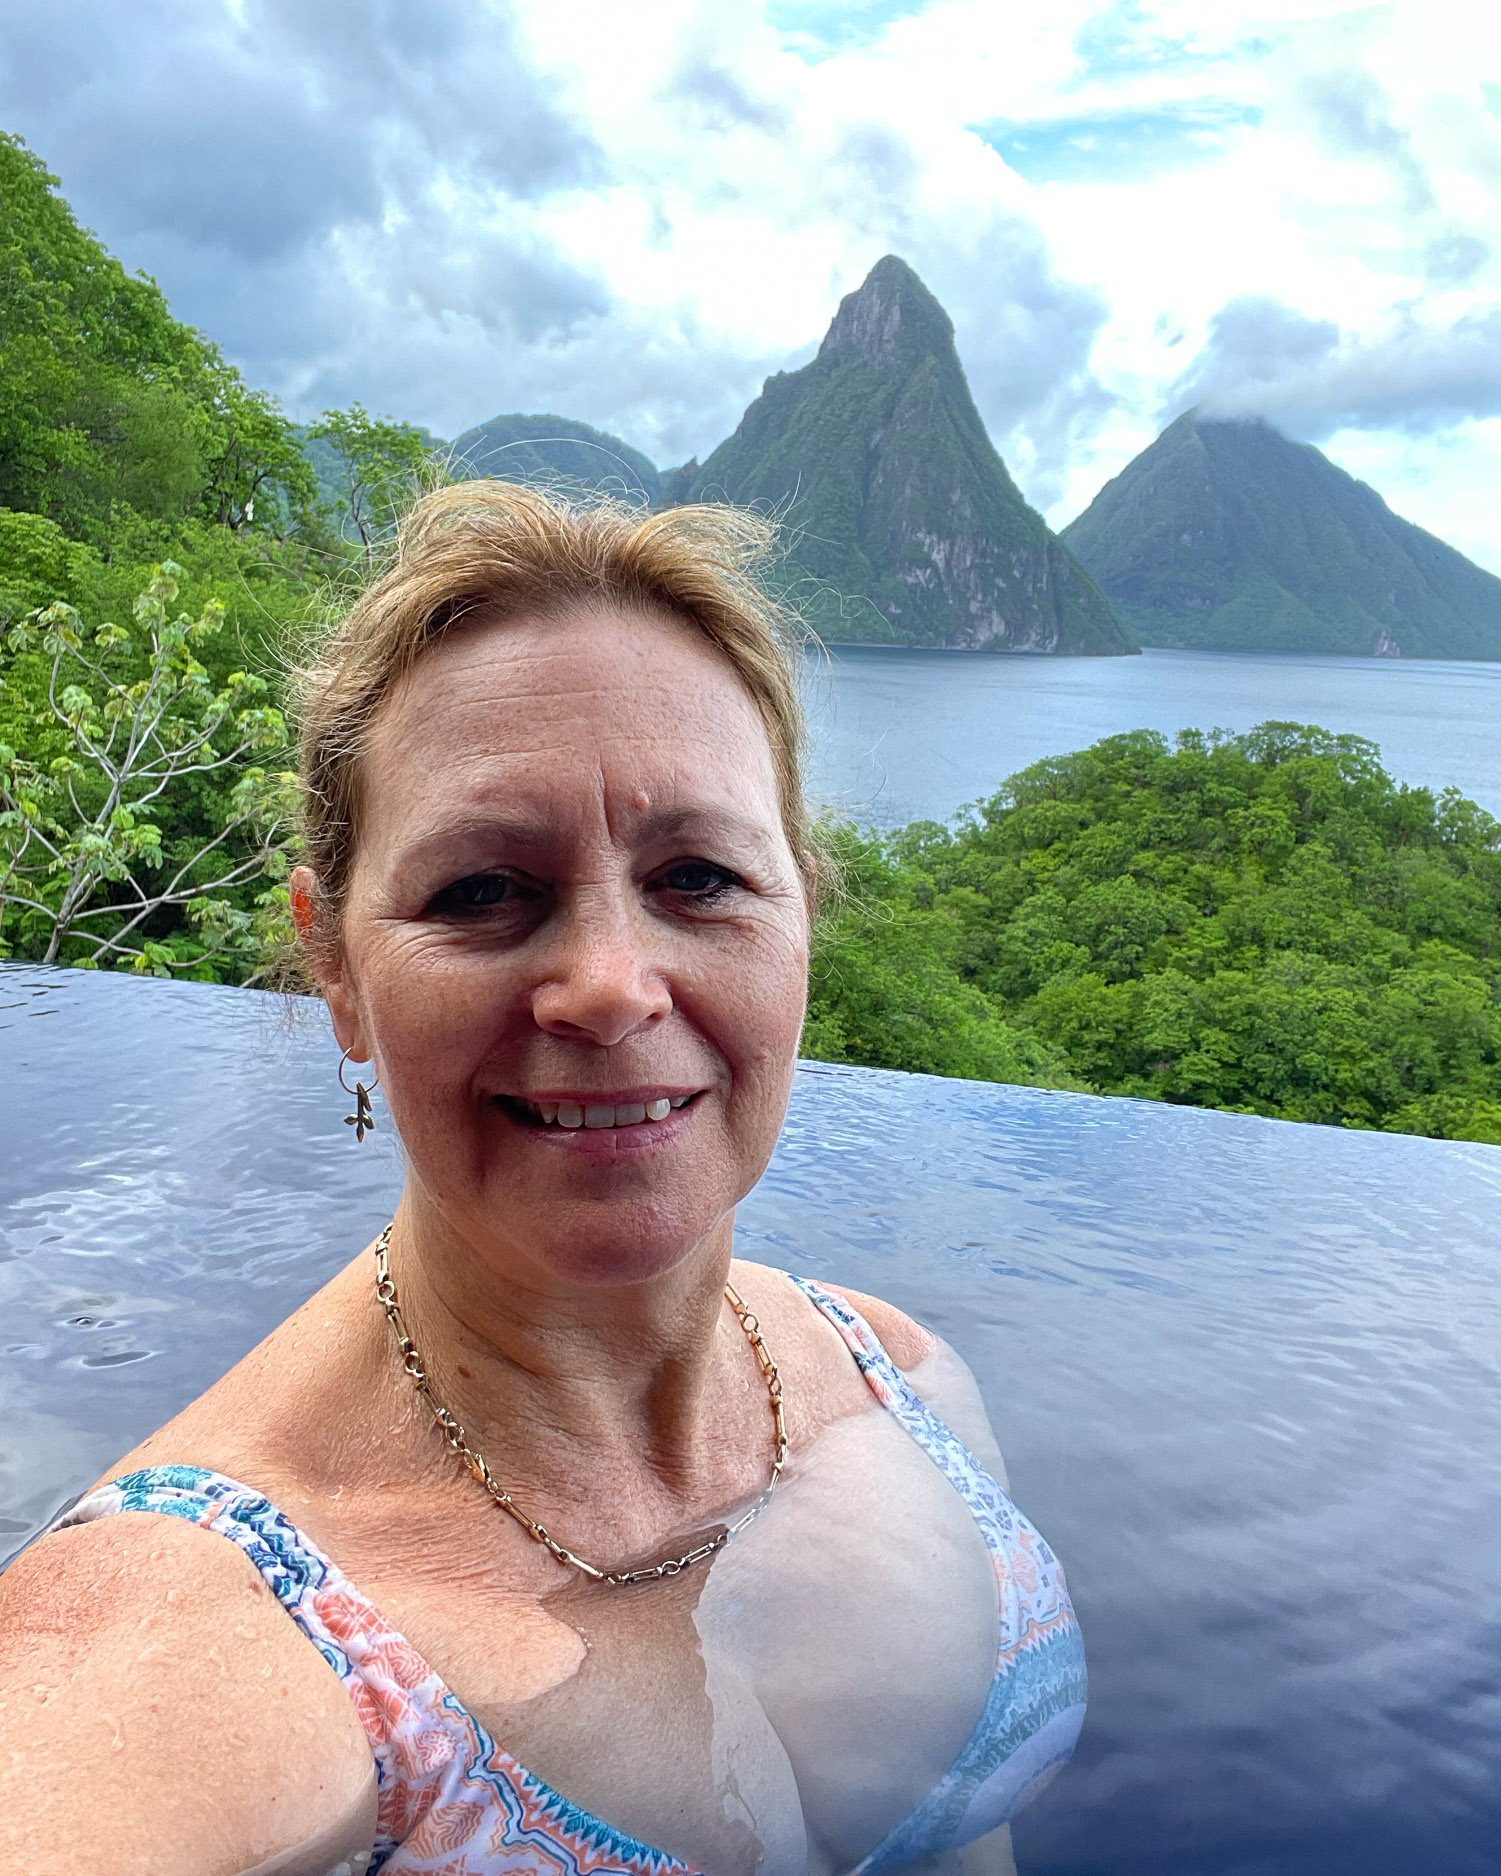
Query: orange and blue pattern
x: 453, y: 1802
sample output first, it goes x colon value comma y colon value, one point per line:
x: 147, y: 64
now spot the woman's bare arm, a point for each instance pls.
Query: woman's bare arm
x: 161, y: 1714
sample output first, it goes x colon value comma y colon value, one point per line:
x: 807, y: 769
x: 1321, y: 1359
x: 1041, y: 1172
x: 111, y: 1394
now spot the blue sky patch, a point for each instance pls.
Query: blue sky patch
x: 818, y: 29
x: 1116, y: 146
x: 1122, y: 42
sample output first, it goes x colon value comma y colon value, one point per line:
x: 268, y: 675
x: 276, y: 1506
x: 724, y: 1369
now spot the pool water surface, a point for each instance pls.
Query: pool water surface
x: 1245, y: 1375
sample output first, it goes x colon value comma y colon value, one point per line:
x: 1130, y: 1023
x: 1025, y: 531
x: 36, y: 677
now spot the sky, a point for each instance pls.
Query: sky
x: 631, y: 215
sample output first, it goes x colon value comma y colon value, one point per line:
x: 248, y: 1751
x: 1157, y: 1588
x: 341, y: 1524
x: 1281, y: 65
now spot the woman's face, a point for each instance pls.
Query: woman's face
x: 575, y: 940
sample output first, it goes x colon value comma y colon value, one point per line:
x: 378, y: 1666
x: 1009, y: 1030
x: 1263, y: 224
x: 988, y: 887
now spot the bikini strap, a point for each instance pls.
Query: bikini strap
x: 392, y: 1689
x: 302, y: 1579
x: 993, y: 1511
x: 1036, y: 1702
x: 444, y: 1784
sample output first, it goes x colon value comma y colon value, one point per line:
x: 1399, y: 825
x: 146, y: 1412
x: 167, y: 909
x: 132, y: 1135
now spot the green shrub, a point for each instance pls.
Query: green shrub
x: 1265, y: 923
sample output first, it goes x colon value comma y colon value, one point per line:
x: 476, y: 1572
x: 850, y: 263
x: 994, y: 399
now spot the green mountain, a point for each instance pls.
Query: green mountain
x: 555, y: 449
x: 1224, y: 535
x: 905, y: 526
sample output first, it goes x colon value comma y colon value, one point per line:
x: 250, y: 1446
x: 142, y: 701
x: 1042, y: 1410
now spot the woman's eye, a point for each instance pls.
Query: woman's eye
x: 698, y: 879
x: 479, y: 892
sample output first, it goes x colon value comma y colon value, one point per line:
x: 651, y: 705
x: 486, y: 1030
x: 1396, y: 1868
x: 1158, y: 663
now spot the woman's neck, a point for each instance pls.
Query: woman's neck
x: 571, y: 1381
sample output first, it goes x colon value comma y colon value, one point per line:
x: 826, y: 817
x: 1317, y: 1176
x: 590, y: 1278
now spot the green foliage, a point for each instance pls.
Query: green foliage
x: 258, y: 475
x: 887, y: 988
x: 1264, y: 923
x: 263, y: 587
x: 39, y: 564
x: 142, y: 817
x: 107, y: 403
x: 1227, y: 537
x: 137, y: 810
x: 382, y: 465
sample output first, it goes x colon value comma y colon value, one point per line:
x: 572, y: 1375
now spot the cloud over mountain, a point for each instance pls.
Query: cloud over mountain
x: 1264, y: 359
x: 634, y: 215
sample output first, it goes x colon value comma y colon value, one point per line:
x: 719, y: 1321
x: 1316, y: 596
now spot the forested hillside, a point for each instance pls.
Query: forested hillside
x: 108, y: 405
x: 1228, y: 537
x: 162, y: 538
x: 1265, y: 923
x: 555, y: 450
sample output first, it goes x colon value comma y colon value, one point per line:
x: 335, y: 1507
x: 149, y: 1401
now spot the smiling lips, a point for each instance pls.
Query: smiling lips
x: 571, y: 1115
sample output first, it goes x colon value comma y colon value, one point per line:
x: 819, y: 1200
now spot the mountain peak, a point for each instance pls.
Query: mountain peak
x: 889, y: 318
x: 1224, y: 535
x: 555, y: 451
x: 906, y: 528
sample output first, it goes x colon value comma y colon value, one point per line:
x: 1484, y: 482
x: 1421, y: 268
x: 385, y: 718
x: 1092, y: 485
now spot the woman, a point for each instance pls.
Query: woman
x: 557, y: 891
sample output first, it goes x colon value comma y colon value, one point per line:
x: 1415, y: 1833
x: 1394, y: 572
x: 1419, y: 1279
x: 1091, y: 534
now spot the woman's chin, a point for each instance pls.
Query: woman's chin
x: 613, y: 1264
x: 583, y: 1240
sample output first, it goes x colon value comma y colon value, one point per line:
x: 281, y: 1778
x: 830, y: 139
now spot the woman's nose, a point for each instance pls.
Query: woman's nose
x: 604, y: 981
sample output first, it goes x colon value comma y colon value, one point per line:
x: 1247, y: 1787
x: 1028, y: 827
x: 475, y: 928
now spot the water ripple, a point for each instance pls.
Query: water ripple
x: 1246, y: 1375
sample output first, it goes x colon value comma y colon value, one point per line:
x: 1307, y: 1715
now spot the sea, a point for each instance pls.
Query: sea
x: 902, y: 735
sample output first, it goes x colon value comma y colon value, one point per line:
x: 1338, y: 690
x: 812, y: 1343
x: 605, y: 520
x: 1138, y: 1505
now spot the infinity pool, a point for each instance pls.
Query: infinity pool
x: 1247, y: 1376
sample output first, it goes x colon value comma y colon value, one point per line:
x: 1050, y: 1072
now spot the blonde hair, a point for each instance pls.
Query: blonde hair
x: 495, y: 550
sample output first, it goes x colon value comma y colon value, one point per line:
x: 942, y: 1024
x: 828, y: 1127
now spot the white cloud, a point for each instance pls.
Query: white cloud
x: 632, y: 214
x: 1409, y: 374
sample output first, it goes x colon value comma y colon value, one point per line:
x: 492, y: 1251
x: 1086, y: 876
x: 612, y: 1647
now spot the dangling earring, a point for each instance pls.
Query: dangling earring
x: 362, y: 1120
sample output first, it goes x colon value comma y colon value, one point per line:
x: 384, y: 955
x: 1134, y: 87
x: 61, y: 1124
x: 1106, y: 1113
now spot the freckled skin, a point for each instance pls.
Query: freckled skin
x: 578, y: 756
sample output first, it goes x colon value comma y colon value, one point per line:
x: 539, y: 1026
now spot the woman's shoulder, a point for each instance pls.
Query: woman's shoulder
x: 935, y: 1370
x: 905, y: 1341
x: 132, y: 1648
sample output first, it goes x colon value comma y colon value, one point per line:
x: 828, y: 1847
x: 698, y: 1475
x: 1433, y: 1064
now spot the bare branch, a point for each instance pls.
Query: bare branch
x: 31, y: 905
x: 33, y: 832
x: 177, y: 894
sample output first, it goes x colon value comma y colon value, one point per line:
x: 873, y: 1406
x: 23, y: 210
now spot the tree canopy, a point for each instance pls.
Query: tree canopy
x: 1265, y: 923
x: 107, y: 402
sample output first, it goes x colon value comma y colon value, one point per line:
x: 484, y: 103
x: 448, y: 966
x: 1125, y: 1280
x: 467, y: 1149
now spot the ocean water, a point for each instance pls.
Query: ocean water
x: 902, y: 735
x: 1247, y: 1376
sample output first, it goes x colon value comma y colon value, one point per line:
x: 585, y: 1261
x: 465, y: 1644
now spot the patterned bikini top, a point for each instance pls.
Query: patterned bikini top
x: 451, y: 1798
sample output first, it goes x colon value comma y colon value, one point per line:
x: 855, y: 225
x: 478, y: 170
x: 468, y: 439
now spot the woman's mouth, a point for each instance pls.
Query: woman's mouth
x: 569, y: 1116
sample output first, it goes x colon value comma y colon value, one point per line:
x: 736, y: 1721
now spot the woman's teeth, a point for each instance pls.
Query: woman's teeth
x: 570, y: 1114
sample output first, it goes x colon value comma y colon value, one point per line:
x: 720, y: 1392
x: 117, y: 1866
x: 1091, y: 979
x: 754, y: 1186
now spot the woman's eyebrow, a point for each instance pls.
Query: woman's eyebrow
x: 701, y: 821
x: 478, y: 831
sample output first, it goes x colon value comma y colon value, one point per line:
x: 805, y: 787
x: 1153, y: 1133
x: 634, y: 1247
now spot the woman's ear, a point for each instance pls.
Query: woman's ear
x: 325, y: 956
x: 812, y: 879
x: 303, y: 893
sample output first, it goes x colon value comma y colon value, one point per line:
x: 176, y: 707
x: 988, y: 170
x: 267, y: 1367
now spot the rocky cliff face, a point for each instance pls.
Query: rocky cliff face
x: 1226, y: 536
x: 904, y: 525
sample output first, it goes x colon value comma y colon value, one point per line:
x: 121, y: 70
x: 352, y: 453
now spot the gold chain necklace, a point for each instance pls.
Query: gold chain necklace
x: 453, y: 1433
